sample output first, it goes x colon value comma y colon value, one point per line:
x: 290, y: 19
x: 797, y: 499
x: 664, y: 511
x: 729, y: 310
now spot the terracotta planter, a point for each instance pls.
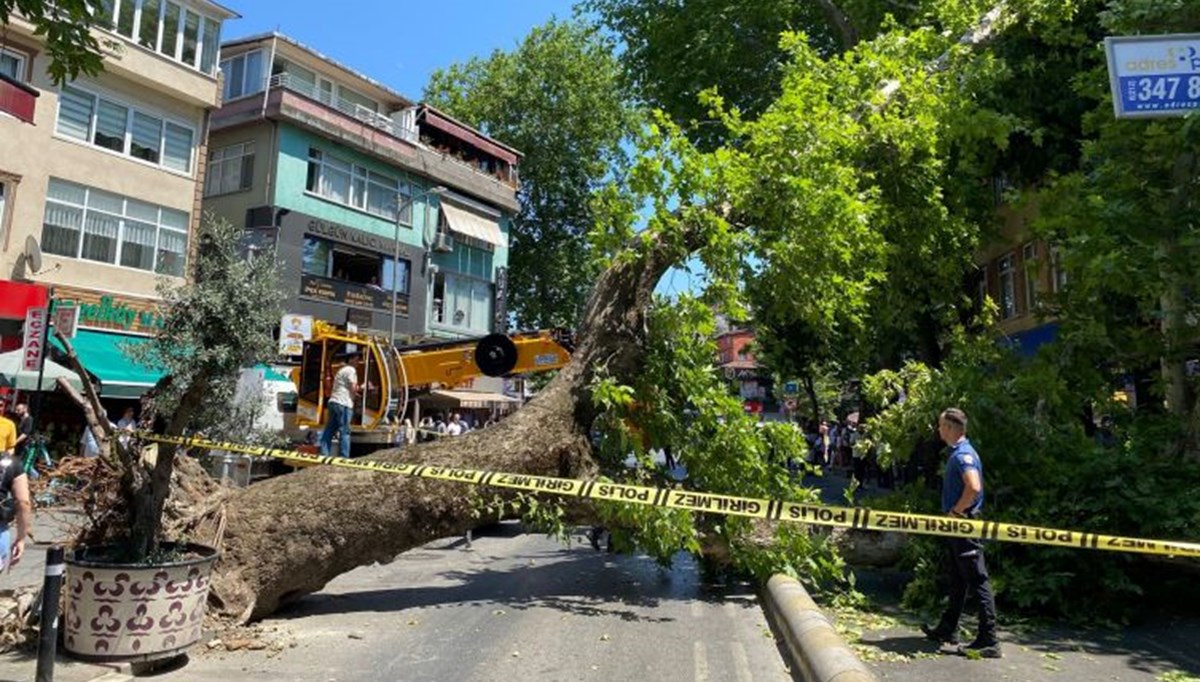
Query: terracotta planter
x: 134, y: 612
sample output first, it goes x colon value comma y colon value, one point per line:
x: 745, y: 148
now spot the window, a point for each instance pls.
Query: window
x: 12, y: 65
x: 111, y: 121
x: 210, y: 45
x: 1029, y: 261
x: 144, y: 140
x: 345, y: 183
x: 177, y: 147
x: 243, y: 75
x: 170, y: 31
x: 317, y: 257
x: 91, y: 224
x: 191, y: 37
x: 125, y: 13
x: 230, y: 169
x: 148, y: 33
x: 122, y: 129
x: 324, y: 258
x: 401, y: 269
x: 462, y: 302
x: 1008, y: 295
x: 1058, y: 275
x: 468, y: 260
x: 164, y: 27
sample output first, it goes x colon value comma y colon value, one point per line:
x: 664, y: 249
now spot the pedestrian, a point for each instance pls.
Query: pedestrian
x: 14, y: 506
x: 408, y: 433
x: 339, y: 409
x: 8, y: 432
x: 455, y: 427
x: 127, y: 424
x: 962, y: 497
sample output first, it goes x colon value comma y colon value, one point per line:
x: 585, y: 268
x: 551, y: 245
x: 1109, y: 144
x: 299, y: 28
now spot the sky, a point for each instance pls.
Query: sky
x: 397, y: 42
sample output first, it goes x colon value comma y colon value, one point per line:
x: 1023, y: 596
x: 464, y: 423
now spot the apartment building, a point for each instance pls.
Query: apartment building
x: 100, y: 176
x: 385, y: 214
x: 1018, y: 272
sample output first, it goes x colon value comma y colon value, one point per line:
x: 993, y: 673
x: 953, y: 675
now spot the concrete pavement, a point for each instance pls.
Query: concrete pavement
x: 512, y: 606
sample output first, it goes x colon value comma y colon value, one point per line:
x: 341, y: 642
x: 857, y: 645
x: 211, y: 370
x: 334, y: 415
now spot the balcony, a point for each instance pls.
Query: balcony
x: 17, y: 99
x: 356, y: 111
x: 390, y: 140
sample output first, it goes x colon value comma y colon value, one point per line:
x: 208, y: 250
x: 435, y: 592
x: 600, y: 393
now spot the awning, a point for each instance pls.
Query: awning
x: 14, y: 375
x: 101, y: 355
x: 468, y: 399
x: 470, y: 224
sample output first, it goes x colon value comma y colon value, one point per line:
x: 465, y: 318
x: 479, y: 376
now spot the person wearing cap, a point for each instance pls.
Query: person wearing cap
x: 962, y: 497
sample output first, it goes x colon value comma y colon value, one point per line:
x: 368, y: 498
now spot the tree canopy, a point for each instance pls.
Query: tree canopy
x: 558, y: 99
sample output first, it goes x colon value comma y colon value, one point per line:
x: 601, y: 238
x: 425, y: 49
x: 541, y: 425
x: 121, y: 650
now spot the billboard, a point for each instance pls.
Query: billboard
x: 1154, y: 76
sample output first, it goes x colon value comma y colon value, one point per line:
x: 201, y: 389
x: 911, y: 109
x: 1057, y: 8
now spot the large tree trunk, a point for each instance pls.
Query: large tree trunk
x: 289, y: 536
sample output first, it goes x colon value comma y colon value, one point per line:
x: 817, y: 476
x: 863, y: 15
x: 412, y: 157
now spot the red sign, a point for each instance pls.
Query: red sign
x: 17, y: 297
x: 35, y: 335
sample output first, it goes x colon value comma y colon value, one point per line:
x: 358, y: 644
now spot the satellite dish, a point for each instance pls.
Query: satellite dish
x: 33, y: 254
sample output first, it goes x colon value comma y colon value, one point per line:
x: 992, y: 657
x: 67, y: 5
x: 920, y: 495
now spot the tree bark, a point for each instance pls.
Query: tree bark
x: 289, y: 536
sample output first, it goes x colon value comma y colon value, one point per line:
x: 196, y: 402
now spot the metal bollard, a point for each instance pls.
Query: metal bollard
x: 51, y: 589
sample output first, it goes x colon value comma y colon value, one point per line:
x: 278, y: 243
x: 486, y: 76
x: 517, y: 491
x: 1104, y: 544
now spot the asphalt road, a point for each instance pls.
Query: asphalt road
x: 513, y: 606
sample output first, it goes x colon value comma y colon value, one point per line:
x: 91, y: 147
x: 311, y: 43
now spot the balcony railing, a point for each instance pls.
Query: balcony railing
x: 17, y: 99
x: 356, y: 111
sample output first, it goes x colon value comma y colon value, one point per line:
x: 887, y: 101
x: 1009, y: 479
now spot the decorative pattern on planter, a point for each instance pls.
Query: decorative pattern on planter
x: 124, y: 612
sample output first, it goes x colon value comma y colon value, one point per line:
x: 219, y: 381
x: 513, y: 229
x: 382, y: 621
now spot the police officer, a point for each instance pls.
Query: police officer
x: 962, y: 497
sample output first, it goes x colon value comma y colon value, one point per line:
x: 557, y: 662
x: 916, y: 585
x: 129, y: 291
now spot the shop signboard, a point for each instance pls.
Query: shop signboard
x: 66, y: 319
x: 35, y: 338
x: 294, y: 330
x: 347, y: 293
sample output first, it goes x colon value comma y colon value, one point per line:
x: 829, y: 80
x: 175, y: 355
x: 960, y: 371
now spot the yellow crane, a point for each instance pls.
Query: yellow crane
x: 392, y: 376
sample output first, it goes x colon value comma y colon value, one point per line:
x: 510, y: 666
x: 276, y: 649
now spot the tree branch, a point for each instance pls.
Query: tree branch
x: 841, y: 21
x: 981, y: 33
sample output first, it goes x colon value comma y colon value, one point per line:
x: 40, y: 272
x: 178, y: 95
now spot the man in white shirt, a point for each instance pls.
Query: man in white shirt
x: 455, y: 427
x: 339, y: 409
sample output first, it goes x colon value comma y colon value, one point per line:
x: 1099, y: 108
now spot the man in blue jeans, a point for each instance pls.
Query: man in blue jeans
x: 962, y: 497
x: 340, y: 407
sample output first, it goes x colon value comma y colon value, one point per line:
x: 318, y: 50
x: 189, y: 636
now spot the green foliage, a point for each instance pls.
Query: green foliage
x: 216, y: 325
x: 66, y: 26
x: 680, y: 402
x: 558, y: 99
x: 1042, y: 468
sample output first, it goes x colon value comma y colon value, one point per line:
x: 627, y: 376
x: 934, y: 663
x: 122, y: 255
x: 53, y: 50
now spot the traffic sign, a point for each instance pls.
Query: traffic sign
x: 1154, y: 76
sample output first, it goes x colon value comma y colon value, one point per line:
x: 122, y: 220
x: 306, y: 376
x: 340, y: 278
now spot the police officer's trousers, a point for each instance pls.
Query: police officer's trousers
x: 968, y: 574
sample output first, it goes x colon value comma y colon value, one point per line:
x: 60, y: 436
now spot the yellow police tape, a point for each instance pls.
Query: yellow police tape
x: 776, y: 510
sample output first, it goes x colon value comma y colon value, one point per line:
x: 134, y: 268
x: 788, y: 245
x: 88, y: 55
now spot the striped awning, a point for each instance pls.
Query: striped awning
x: 474, y: 225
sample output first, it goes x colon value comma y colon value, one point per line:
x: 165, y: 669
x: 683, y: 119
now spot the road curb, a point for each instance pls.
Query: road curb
x: 818, y: 653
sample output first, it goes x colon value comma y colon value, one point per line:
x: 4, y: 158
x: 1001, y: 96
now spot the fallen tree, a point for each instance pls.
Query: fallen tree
x: 289, y: 536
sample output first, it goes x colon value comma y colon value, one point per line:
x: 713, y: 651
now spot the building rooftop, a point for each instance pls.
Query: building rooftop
x: 264, y: 37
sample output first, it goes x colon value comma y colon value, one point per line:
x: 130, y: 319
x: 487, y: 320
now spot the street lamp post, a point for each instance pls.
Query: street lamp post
x: 400, y: 206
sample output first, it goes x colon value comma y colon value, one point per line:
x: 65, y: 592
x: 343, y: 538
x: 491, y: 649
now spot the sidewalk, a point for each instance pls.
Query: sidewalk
x: 888, y: 638
x: 49, y: 526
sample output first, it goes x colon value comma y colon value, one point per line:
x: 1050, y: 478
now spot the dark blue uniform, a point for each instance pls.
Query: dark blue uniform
x: 964, y: 556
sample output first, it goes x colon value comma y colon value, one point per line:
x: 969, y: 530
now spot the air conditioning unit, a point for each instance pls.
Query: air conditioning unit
x: 443, y: 242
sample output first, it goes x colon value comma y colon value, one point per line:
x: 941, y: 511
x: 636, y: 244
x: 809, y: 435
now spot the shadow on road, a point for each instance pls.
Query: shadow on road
x: 575, y: 580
